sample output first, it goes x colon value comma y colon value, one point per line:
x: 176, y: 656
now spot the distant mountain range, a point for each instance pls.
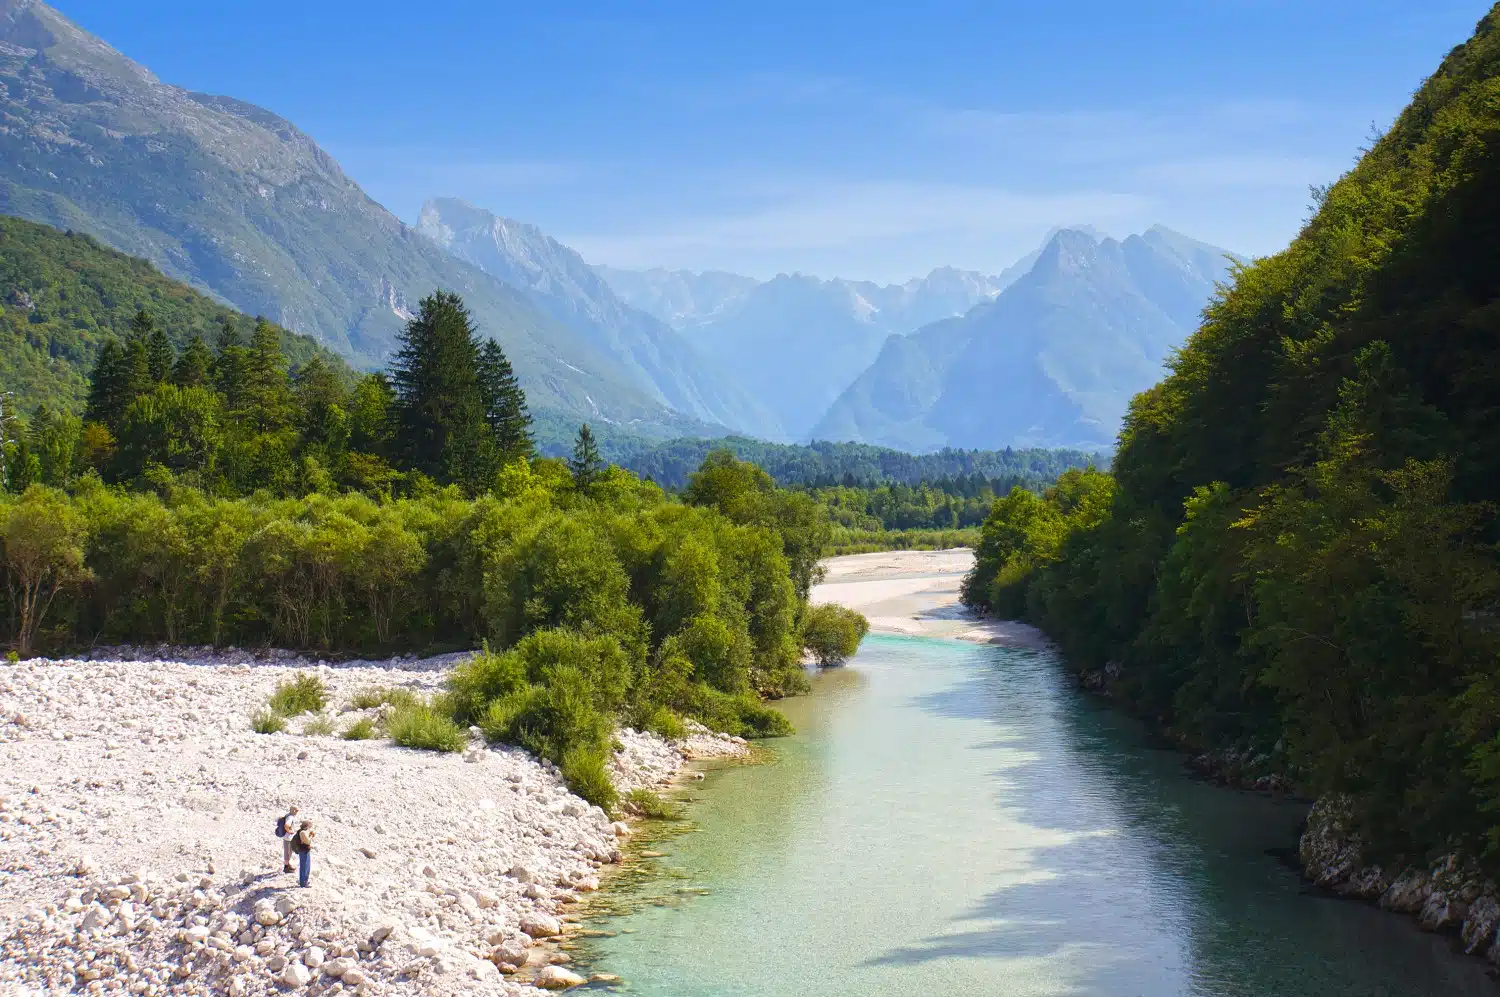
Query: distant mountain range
x: 796, y: 341
x: 235, y: 201
x: 1052, y: 361
x: 657, y: 359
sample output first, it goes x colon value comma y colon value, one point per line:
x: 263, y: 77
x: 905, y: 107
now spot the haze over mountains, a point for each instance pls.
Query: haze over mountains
x: 238, y: 202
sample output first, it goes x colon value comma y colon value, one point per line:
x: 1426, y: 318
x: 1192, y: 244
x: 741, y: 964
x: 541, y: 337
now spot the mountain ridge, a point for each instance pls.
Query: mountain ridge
x: 1051, y: 361
x: 657, y: 358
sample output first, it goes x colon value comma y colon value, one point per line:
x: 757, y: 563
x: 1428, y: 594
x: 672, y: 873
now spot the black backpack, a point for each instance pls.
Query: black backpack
x: 281, y: 826
x: 299, y: 846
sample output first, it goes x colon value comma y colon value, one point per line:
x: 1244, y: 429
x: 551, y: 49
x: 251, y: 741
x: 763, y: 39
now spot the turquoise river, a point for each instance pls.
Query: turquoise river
x: 957, y: 818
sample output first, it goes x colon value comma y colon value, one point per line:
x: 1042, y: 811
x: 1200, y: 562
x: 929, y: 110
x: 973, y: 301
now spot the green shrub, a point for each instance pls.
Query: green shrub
x: 549, y: 720
x: 483, y: 679
x: 584, y: 770
x: 319, y: 726
x: 360, y: 730
x: 643, y: 802
x: 373, y: 696
x: 303, y: 694
x: 268, y: 722
x: 422, y: 726
x: 832, y: 633
x: 759, y: 720
x: 667, y: 724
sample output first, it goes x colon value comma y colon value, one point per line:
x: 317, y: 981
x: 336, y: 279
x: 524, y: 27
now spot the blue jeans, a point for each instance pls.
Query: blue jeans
x: 304, y: 867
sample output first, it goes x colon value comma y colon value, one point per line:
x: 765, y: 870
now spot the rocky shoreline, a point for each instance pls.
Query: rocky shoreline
x: 137, y: 855
x: 1448, y: 897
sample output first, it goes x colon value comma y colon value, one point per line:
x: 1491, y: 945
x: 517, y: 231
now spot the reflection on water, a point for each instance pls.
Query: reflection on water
x: 954, y: 818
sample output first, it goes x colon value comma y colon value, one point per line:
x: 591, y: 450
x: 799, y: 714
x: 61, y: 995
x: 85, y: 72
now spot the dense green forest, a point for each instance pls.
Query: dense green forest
x: 823, y: 464
x: 1295, y: 554
x: 208, y: 495
x: 63, y: 295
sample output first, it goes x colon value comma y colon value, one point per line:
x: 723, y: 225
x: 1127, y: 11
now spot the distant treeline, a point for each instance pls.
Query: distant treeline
x: 825, y: 464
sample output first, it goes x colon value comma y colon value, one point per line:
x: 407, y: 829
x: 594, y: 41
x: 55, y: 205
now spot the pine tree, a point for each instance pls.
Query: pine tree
x: 159, y: 357
x: 229, y: 363
x: 194, y: 367
x: 266, y: 401
x: 323, y: 419
x: 505, y: 404
x: 109, y: 386
x: 442, y: 428
x: 585, y: 463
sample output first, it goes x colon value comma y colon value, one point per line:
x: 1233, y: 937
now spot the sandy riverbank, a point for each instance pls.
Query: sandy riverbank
x: 137, y: 850
x: 916, y: 592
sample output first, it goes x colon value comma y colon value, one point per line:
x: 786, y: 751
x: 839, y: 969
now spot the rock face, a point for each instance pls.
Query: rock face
x: 1448, y: 897
x: 136, y: 846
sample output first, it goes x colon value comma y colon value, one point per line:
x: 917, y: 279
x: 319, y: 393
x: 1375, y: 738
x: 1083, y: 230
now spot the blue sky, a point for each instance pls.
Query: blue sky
x: 851, y: 139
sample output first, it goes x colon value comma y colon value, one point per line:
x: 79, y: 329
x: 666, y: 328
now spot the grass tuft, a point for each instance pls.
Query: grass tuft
x: 644, y: 803
x: 421, y: 726
x: 268, y: 722
x: 362, y: 729
x: 584, y: 771
x: 303, y: 694
x: 374, y: 696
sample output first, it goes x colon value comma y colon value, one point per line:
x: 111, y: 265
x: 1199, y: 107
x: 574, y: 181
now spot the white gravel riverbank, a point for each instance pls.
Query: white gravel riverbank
x: 137, y: 811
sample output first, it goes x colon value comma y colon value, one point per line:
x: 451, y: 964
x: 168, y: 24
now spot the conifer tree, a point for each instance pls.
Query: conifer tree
x: 194, y: 367
x: 505, y: 404
x: 442, y: 428
x: 585, y: 463
x: 266, y: 401
x: 229, y: 363
x: 109, y: 386
x: 159, y: 357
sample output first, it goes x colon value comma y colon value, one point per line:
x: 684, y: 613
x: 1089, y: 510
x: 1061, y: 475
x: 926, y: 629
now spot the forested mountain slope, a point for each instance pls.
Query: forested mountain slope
x: 1052, y: 361
x: 62, y: 295
x: 1295, y: 558
x: 236, y: 201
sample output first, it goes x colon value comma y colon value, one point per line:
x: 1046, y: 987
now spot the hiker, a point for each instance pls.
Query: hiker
x: 286, y: 827
x: 302, y: 845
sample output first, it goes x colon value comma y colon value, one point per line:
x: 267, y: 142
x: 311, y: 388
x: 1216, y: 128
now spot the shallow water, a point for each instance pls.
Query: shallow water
x: 957, y: 819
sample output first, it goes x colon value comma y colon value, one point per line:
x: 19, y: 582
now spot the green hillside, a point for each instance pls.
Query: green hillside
x: 63, y: 294
x: 1295, y: 559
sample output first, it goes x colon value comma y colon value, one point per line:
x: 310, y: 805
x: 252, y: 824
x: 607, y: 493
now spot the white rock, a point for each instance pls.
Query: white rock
x: 295, y: 975
x: 338, y: 967
x: 313, y: 957
x: 558, y: 978
x: 539, y: 925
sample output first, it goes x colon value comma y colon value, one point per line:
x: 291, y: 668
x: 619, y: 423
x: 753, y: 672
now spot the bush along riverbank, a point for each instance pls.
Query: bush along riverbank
x: 1291, y: 567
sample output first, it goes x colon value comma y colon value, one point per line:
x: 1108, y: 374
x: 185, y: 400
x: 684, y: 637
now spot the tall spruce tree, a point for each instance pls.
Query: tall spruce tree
x: 159, y: 356
x: 505, y: 404
x: 442, y: 426
x: 110, y: 391
x: 266, y: 402
x: 585, y: 463
x: 194, y: 367
x: 229, y: 363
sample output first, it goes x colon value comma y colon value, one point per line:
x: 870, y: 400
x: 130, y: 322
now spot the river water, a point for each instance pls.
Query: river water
x: 955, y: 818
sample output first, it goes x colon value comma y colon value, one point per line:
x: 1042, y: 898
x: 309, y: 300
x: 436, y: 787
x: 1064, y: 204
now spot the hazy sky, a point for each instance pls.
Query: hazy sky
x: 851, y: 139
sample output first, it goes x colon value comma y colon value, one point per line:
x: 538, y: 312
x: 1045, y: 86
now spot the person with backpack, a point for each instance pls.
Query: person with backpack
x: 285, y: 830
x: 302, y: 844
